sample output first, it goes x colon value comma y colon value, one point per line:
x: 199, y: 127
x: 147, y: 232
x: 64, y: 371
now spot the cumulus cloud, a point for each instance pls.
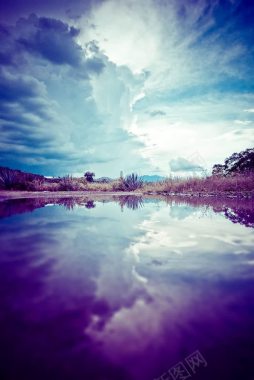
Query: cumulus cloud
x: 50, y: 38
x: 243, y: 122
x: 181, y: 164
x: 70, y: 9
x: 19, y: 87
x: 198, y: 71
x: 159, y: 81
x: 54, y: 113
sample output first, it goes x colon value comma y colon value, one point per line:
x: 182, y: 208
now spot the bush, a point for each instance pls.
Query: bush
x: 38, y: 185
x: 212, y: 184
x: 132, y: 182
x: 9, y: 179
x: 96, y: 186
x: 67, y: 183
x: 118, y: 185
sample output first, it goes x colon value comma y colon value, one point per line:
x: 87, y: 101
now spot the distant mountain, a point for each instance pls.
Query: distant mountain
x: 144, y: 178
x: 152, y: 178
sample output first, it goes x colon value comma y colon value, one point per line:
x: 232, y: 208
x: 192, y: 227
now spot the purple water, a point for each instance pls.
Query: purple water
x: 125, y: 289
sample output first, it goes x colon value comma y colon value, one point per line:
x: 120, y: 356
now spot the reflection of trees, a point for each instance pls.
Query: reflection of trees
x: 237, y: 210
x: 18, y: 206
x: 68, y: 203
x: 131, y: 201
x: 90, y: 204
x: 241, y: 216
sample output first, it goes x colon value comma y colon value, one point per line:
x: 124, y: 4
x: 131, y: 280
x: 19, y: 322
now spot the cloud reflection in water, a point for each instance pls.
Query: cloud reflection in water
x: 94, y: 292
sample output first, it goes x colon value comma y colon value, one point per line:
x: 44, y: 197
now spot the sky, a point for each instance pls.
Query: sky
x: 160, y: 87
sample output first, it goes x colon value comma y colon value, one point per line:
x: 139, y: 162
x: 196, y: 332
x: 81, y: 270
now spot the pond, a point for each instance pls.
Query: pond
x: 126, y: 288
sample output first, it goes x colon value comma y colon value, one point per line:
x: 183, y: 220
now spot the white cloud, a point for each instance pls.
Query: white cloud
x: 250, y: 110
x: 243, y: 122
x: 127, y: 31
x: 204, y: 123
x: 174, y: 63
x: 159, y: 91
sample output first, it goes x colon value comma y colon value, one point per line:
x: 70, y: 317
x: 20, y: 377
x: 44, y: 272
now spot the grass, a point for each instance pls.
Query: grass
x: 210, y: 185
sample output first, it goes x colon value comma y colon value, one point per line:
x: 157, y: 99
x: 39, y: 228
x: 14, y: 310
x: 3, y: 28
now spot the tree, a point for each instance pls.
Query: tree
x: 218, y: 170
x: 90, y: 204
x: 242, y: 162
x: 89, y: 176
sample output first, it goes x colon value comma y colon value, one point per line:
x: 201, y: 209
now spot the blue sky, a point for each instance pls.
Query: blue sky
x: 155, y: 87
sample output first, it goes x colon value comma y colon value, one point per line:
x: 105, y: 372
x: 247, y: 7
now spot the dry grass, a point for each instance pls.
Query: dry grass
x: 96, y: 186
x: 208, y: 185
x: 69, y: 183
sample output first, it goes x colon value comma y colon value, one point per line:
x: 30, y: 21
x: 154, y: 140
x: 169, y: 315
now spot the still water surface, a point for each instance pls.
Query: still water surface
x: 125, y: 289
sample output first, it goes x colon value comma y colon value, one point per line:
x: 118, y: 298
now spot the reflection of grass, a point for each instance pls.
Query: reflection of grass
x: 131, y: 202
x: 237, y: 210
x: 240, y: 211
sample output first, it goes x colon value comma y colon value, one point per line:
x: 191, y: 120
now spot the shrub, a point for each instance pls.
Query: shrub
x: 67, y: 183
x: 132, y: 182
x: 118, y: 185
x: 95, y: 186
x: 9, y: 179
x: 37, y: 185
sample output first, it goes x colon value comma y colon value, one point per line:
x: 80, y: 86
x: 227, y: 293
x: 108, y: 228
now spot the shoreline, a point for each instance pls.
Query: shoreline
x: 14, y: 194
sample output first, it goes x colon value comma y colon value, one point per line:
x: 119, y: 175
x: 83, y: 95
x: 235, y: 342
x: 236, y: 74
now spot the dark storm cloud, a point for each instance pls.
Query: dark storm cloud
x: 18, y: 87
x: 35, y: 129
x: 8, y: 47
x: 34, y: 126
x: 25, y: 119
x: 12, y: 10
x: 12, y: 134
x: 5, y: 58
x: 51, y: 39
x: 46, y: 38
x: 22, y: 96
